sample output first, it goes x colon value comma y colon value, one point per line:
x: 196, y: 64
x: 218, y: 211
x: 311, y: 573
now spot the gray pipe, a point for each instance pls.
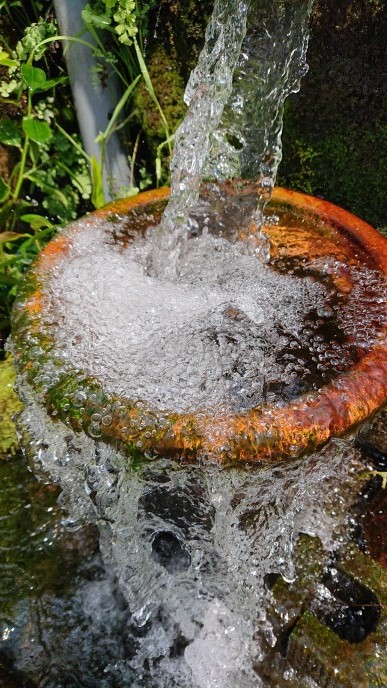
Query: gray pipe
x: 93, y: 103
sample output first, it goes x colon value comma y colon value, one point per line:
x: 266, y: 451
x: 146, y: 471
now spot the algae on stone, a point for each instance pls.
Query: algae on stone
x: 9, y: 406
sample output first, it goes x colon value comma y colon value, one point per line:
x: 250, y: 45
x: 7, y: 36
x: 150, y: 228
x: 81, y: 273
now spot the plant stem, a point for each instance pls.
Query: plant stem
x: 23, y: 159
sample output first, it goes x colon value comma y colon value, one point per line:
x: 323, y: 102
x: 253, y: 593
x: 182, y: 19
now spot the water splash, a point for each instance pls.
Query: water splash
x: 209, y: 340
x: 191, y: 546
x: 254, y: 56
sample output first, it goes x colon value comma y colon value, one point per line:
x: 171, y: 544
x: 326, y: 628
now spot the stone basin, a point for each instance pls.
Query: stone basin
x: 309, y: 237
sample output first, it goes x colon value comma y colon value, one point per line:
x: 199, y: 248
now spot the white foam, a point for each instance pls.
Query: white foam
x: 219, y: 656
x: 207, y: 339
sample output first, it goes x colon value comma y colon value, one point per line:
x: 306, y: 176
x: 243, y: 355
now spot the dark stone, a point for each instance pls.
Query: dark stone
x: 169, y: 552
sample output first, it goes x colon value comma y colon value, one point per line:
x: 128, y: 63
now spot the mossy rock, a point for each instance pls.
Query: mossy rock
x: 9, y: 406
x: 176, y: 36
x: 179, y: 25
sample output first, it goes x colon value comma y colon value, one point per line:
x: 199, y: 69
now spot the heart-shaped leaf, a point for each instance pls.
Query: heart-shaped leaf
x: 34, y: 76
x: 37, y: 130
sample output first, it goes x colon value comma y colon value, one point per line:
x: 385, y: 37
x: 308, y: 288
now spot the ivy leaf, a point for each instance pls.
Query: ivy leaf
x: 9, y: 133
x: 4, y: 190
x: 36, y: 130
x: 34, y: 76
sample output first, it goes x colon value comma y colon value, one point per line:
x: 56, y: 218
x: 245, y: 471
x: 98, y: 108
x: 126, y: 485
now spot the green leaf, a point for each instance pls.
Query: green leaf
x: 4, y: 190
x: 36, y: 221
x: 11, y: 236
x: 75, y: 143
x: 151, y: 91
x: 97, y: 196
x: 6, y: 61
x: 42, y: 184
x: 101, y: 21
x: 6, y: 212
x: 51, y: 83
x: 9, y: 133
x: 34, y: 76
x: 383, y: 475
x: 8, y: 280
x: 37, y: 130
x: 103, y: 136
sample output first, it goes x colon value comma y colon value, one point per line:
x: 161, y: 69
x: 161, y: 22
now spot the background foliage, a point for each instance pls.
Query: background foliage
x: 46, y: 177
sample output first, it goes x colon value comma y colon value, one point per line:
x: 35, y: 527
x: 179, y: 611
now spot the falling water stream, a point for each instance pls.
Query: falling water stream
x: 187, y: 552
x: 254, y: 56
x: 188, y: 549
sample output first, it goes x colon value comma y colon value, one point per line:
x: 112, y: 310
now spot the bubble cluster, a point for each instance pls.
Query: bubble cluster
x: 210, y: 339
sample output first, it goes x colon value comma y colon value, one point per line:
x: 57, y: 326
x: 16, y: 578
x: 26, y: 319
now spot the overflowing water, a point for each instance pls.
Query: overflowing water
x: 191, y: 548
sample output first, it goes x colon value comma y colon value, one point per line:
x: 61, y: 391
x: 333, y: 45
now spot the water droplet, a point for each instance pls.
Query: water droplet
x: 94, y: 430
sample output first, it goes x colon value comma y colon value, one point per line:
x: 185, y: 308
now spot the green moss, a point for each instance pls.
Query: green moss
x: 169, y: 89
x: 181, y: 26
x: 9, y: 405
x: 334, y: 140
x: 345, y: 166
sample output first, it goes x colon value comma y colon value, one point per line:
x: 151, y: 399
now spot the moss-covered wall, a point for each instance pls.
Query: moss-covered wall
x: 175, y: 39
x: 335, y: 130
x: 180, y: 25
x: 168, y: 85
